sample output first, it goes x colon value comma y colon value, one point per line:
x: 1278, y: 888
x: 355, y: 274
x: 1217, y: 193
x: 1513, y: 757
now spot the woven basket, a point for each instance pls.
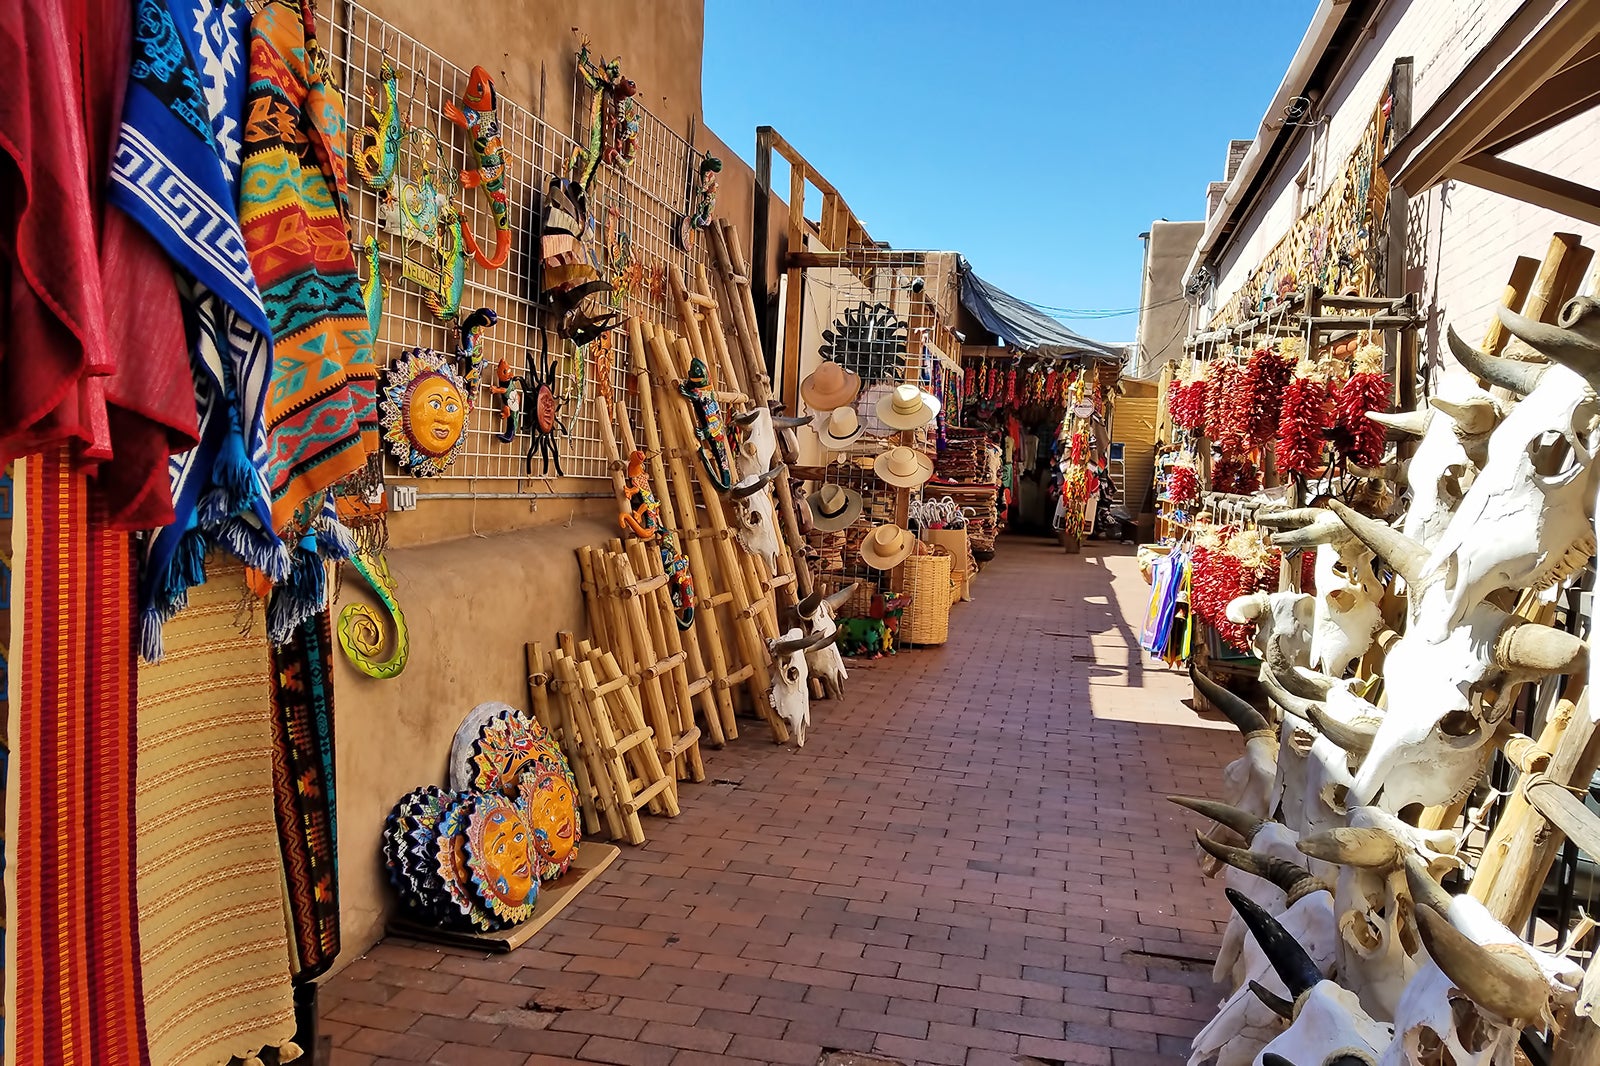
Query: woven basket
x: 859, y: 602
x: 927, y: 579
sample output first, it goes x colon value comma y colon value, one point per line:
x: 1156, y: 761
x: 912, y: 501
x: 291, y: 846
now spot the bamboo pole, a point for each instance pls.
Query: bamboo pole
x: 539, y: 682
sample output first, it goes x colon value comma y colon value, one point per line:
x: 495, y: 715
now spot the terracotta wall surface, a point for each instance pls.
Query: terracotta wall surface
x: 478, y: 578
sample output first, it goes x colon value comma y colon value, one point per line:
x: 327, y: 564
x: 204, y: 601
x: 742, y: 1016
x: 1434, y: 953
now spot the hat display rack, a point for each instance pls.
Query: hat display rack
x: 889, y: 317
x: 634, y: 215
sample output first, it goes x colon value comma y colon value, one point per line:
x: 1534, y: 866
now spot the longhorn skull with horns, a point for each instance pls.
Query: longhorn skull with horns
x: 826, y: 663
x: 758, y: 449
x: 758, y: 526
x: 791, y: 690
x: 1345, y: 614
x: 1247, y: 781
x: 1325, y: 1020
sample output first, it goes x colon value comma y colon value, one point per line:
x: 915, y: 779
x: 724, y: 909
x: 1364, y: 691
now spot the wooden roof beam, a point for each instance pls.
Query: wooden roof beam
x: 1530, y: 186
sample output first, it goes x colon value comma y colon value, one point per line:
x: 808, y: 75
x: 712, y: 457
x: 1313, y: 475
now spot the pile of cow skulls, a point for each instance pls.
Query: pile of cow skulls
x: 1344, y: 948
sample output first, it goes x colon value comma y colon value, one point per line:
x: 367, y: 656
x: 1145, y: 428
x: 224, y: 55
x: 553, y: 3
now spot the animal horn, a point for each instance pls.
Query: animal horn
x: 785, y: 422
x: 788, y: 646
x: 1574, y: 339
x: 747, y: 418
x: 751, y: 486
x: 1299, y: 706
x: 1295, y: 880
x: 838, y: 599
x: 1289, y: 517
x: 1404, y: 423
x: 808, y: 606
x: 825, y: 639
x: 1245, y: 718
x: 1384, y: 471
x: 1473, y: 417
x: 1354, y: 739
x: 1506, y: 983
x: 1276, y: 1004
x: 1367, y: 848
x: 1296, y: 968
x: 1247, y: 608
x: 1529, y: 647
x: 1240, y: 821
x: 1307, y: 684
x: 1425, y: 891
x: 1406, y: 556
x: 1513, y: 374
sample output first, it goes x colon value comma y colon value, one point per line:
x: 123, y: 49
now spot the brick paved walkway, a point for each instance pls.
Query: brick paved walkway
x: 969, y: 862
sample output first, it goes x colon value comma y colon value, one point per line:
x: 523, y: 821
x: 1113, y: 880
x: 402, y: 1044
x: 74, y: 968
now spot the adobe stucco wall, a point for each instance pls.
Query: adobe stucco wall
x: 1462, y: 240
x: 477, y: 579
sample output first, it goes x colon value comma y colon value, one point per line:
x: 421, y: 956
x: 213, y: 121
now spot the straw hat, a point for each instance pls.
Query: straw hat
x: 908, y: 407
x: 904, y: 467
x: 830, y: 385
x: 887, y: 546
x: 842, y: 429
x: 834, y: 507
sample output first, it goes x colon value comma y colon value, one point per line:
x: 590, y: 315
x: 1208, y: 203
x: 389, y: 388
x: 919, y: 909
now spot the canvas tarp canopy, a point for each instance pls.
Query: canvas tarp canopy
x: 1023, y: 326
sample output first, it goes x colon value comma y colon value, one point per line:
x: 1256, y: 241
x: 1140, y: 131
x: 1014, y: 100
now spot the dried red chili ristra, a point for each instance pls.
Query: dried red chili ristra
x: 1303, y: 425
x: 1359, y: 437
x: 1183, y: 485
x: 1261, y: 390
x: 1011, y: 387
x: 1308, y: 571
x: 1235, y: 474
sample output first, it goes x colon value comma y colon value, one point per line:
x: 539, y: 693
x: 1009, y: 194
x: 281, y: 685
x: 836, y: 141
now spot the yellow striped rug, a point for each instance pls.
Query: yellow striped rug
x: 213, y: 941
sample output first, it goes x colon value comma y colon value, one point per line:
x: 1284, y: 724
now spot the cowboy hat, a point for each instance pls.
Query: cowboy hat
x: 904, y: 467
x: 887, y: 546
x: 908, y: 407
x: 830, y: 385
x: 834, y: 507
x: 842, y: 429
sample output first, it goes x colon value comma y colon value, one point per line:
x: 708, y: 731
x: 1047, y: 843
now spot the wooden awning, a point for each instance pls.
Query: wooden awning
x: 1540, y: 70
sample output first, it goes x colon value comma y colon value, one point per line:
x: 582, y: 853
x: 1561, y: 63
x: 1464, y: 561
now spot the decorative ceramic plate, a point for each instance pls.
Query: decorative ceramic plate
x: 450, y: 856
x: 551, y: 808
x: 508, y: 747
x: 501, y: 858
x: 406, y: 871
x: 464, y: 745
x: 421, y: 840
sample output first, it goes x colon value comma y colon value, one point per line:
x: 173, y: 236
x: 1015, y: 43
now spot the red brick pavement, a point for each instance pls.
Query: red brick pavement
x: 970, y: 861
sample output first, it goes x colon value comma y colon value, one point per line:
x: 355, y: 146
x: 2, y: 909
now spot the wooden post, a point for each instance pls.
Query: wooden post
x: 575, y: 714
x: 539, y: 682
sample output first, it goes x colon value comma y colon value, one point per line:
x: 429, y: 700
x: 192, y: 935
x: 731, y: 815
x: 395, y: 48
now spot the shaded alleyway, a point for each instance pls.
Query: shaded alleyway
x: 970, y: 861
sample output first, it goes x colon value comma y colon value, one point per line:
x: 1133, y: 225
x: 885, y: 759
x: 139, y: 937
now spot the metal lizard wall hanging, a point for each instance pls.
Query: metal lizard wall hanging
x: 479, y: 115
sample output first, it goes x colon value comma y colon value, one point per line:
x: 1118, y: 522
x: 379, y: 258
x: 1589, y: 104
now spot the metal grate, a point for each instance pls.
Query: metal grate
x: 638, y: 208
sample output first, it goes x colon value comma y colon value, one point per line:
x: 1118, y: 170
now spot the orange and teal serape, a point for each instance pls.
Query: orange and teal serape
x: 78, y: 997
x: 322, y: 413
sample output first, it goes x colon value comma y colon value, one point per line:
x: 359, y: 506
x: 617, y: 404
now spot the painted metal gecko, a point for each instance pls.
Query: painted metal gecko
x: 376, y: 161
x: 479, y: 115
x: 709, y: 426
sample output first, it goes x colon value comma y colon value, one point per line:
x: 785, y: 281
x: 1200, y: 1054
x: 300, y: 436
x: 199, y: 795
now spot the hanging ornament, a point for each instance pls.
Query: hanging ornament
x: 1304, y: 419
x: 1261, y: 387
x: 1358, y: 438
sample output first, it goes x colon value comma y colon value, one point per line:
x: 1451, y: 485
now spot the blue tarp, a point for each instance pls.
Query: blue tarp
x: 1023, y: 326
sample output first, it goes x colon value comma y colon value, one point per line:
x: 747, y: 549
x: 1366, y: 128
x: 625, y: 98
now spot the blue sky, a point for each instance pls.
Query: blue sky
x: 1037, y: 137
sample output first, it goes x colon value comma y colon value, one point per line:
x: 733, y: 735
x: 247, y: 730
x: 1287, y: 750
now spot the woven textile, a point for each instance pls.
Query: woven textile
x: 322, y: 412
x: 176, y: 172
x: 303, y: 794
x: 211, y: 913
x: 75, y: 987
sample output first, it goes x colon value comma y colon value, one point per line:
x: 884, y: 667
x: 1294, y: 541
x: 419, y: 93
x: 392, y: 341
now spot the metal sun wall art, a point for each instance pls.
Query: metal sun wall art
x: 867, y: 340
x: 423, y: 412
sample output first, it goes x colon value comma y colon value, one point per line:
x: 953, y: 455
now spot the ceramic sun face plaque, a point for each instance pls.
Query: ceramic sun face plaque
x: 509, y: 747
x: 551, y: 808
x: 500, y: 857
x: 454, y: 870
x: 423, y: 413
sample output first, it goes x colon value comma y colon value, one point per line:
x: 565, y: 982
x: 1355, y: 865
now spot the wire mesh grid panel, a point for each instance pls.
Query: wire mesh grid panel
x: 403, y: 218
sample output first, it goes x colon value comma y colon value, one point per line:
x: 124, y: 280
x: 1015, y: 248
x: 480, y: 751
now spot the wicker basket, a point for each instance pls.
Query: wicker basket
x: 859, y: 603
x: 927, y: 579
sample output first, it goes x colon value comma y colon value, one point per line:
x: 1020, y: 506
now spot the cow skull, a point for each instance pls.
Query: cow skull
x: 791, y: 690
x: 1244, y: 1024
x: 825, y: 661
x: 1313, y: 776
x: 1373, y: 900
x: 1282, y: 625
x: 1479, y: 986
x: 758, y: 450
x: 758, y: 526
x: 1428, y: 747
x: 1325, y: 1021
x: 1268, y: 877
x: 1345, y: 614
x: 1525, y: 521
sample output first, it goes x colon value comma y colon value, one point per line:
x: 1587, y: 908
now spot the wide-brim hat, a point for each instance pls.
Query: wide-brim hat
x: 842, y: 428
x: 834, y: 507
x: 904, y: 467
x: 908, y: 407
x: 829, y: 386
x: 887, y: 546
